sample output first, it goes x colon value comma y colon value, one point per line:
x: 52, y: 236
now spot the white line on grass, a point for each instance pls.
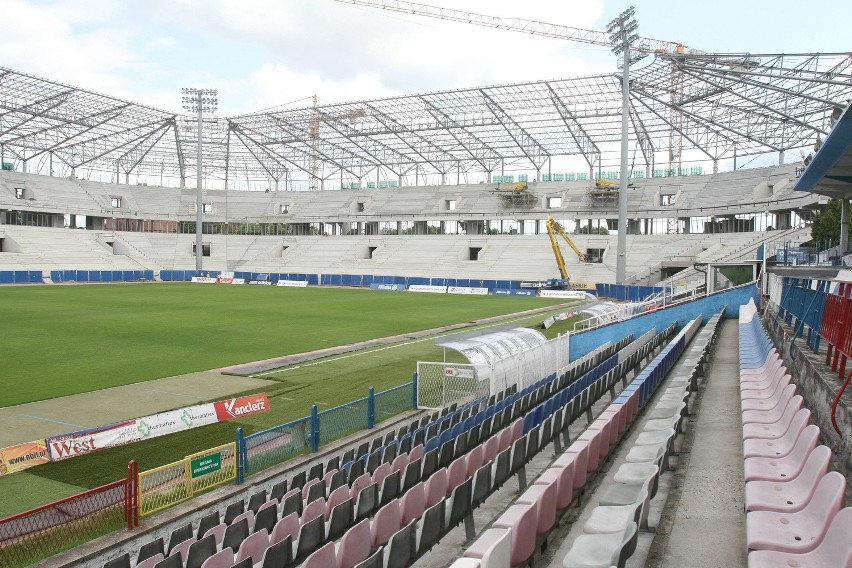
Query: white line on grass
x: 51, y: 420
x: 367, y: 352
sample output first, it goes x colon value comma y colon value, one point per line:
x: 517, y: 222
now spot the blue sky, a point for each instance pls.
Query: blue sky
x: 267, y: 53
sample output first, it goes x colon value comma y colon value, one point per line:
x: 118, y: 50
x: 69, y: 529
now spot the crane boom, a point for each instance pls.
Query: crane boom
x: 533, y: 27
x: 554, y: 228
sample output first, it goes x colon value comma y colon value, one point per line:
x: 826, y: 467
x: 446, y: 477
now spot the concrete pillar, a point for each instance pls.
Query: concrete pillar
x: 715, y: 166
x: 844, y: 226
x: 781, y: 157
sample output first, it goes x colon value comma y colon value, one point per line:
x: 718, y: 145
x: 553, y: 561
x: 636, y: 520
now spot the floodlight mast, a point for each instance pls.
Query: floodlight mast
x: 199, y: 101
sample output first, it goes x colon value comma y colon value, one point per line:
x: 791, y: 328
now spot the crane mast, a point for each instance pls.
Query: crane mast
x: 554, y: 228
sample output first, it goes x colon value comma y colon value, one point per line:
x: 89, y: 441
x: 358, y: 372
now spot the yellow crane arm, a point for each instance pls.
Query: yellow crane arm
x: 553, y: 227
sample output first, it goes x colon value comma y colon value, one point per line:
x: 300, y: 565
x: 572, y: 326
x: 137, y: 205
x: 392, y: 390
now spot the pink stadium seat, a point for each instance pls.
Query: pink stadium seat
x: 222, y: 559
x: 456, y: 473
x: 521, y: 519
x: 504, y: 438
x: 776, y: 429
x: 288, y: 526
x: 152, y: 561
x: 761, y: 391
x: 778, y: 447
x: 416, y: 453
x: 591, y: 440
x: 801, y: 531
x: 782, y: 392
x: 337, y: 497
x: 772, y: 364
x: 248, y: 516
x: 789, y: 496
x: 399, y: 462
x: 307, y: 487
x: 321, y: 558
x: 413, y: 503
x: 543, y: 496
x: 564, y: 477
x: 381, y: 473
x: 182, y: 548
x: 312, y: 510
x: 517, y: 430
x: 360, y: 483
x: 475, y: 459
x: 490, y: 449
x: 773, y: 415
x: 579, y: 456
x: 218, y: 533
x: 326, y: 479
x: 436, y: 487
x: 834, y: 550
x: 385, y: 523
x: 787, y: 467
x: 253, y: 546
x: 493, y: 548
x: 354, y: 547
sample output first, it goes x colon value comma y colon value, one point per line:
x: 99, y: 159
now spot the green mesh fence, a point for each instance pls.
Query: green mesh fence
x: 342, y: 420
x: 393, y: 401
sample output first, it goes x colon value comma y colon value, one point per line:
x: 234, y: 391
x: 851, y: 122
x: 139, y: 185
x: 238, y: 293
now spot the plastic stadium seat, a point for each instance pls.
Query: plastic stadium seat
x: 399, y: 549
x: 335, y: 498
x: 564, y: 478
x: 235, y: 534
x: 413, y: 503
x: 266, y: 517
x: 150, y: 549
x: 793, y: 495
x: 781, y: 393
x: 206, y: 523
x: 311, y: 536
x: 291, y: 502
x: 522, y: 520
x: 777, y: 447
x: 430, y: 527
x: 248, y: 516
x: 313, y: 510
x: 354, y: 547
x: 253, y: 547
x: 342, y: 517
x: 616, y: 518
x: 835, y: 549
x: 602, y: 550
x: 288, y: 526
x: 436, y: 487
x: 776, y: 429
x: 182, y: 548
x: 543, y: 496
x: 385, y: 523
x: 278, y: 554
x: 200, y: 551
x: 772, y: 415
x: 222, y: 559
x: 233, y: 510
x: 179, y: 535
x: 493, y: 548
x: 321, y: 558
x: 173, y: 561
x: 786, y: 467
x: 151, y: 561
x: 803, y: 530
x: 122, y: 561
x: 256, y: 500
x: 218, y: 533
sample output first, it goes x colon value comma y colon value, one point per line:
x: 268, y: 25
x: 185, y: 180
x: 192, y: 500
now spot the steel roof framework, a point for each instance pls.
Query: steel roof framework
x: 689, y: 107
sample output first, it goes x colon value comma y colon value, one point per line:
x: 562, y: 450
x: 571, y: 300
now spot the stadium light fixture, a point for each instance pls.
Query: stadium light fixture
x: 622, y: 36
x: 199, y: 101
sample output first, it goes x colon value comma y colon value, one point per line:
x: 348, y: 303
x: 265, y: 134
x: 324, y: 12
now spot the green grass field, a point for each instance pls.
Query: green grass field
x: 71, y: 339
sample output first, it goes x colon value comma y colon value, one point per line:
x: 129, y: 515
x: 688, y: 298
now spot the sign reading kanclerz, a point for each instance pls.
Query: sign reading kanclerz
x: 206, y: 464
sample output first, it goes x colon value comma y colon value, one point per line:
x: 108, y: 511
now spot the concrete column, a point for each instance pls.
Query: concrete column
x: 844, y: 226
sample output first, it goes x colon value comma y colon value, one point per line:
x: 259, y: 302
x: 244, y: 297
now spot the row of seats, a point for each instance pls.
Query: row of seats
x: 795, y: 506
x: 611, y: 532
x: 522, y: 529
x: 352, y: 493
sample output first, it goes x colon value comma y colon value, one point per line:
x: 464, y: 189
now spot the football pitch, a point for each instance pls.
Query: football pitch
x: 64, y: 340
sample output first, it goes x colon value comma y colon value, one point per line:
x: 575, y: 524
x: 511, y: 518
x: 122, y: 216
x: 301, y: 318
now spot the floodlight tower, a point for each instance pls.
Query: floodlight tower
x: 622, y: 36
x: 199, y: 101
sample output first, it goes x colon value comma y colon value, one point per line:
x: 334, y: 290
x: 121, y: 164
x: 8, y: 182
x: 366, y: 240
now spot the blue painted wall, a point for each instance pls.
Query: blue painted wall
x: 731, y: 299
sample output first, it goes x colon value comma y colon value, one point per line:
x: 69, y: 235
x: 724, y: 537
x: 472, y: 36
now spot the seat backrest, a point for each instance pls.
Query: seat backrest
x: 173, y: 561
x: 828, y: 498
x: 151, y: 561
x: 385, y: 523
x: 380, y: 473
x: 475, y: 459
x: 399, y: 462
x: 235, y: 534
x: 286, y: 527
x: 311, y: 536
x: 253, y: 546
x: 200, y: 551
x: 150, y: 549
x: 456, y: 473
x: 122, y: 561
x: 323, y: 557
x: 399, y: 548
x: 413, y: 503
x: 360, y: 483
x: 256, y: 500
x: 313, y: 510
x: 307, y: 487
x: 266, y: 518
x: 233, y: 510
x: 355, y: 545
x: 179, y: 535
x: 416, y: 453
x: 222, y: 559
x: 292, y: 502
x: 279, y: 553
x: 436, y: 487
x: 206, y: 523
x: 336, y: 497
x: 836, y: 547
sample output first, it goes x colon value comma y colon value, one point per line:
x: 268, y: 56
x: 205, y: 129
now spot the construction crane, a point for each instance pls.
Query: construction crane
x: 554, y: 228
x: 594, y: 37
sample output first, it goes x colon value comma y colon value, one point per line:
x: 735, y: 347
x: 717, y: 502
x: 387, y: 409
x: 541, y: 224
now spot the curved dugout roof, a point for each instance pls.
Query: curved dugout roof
x: 713, y: 106
x: 484, y: 350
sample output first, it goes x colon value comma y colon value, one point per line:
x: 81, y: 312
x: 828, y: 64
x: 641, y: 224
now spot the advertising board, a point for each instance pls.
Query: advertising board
x: 204, y: 280
x: 513, y: 292
x: 466, y: 290
x: 391, y: 287
x: 242, y: 406
x: 91, y: 440
x: 21, y: 456
x: 293, y: 283
x: 568, y: 294
x: 429, y: 289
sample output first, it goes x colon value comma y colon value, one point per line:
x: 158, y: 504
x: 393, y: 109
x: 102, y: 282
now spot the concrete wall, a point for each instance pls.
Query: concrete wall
x: 730, y: 299
x: 818, y: 384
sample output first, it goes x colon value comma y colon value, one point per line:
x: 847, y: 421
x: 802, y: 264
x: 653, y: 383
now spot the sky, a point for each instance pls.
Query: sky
x: 263, y: 54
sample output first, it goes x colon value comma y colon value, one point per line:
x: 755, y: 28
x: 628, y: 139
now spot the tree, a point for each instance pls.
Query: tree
x: 826, y: 226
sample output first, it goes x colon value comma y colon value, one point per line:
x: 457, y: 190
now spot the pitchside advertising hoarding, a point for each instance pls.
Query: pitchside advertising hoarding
x: 94, y: 439
x: 22, y: 456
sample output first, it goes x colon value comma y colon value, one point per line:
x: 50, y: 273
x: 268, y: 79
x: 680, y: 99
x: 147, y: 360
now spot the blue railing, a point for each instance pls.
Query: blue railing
x: 803, y: 300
